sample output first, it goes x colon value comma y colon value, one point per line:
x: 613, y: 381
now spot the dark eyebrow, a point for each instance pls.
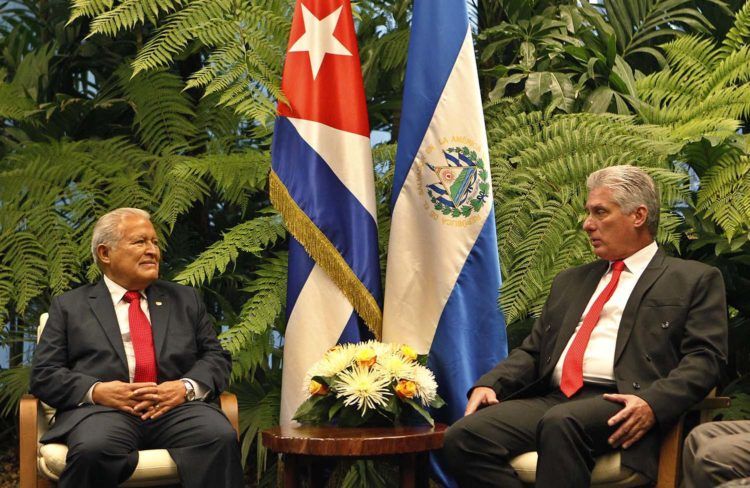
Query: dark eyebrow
x: 594, y: 207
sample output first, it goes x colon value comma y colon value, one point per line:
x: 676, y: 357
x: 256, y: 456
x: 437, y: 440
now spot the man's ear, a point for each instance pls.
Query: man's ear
x: 640, y: 215
x: 102, y: 251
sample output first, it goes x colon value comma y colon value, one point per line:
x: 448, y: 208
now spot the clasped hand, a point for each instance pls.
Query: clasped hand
x: 145, y: 400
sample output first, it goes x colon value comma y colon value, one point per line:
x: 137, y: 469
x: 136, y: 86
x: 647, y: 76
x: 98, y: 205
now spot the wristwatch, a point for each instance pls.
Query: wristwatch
x: 189, y: 391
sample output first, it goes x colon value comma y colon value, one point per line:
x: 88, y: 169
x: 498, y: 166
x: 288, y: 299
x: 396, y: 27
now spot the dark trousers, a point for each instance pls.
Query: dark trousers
x: 566, y: 433
x: 103, y: 448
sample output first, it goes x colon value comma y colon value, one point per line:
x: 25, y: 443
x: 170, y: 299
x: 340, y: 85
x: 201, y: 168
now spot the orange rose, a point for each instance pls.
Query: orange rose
x: 316, y: 388
x: 408, y: 352
x: 406, y: 389
x: 366, y: 358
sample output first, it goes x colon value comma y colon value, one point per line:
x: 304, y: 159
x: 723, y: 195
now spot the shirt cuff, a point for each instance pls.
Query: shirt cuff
x: 88, y: 398
x: 201, y: 390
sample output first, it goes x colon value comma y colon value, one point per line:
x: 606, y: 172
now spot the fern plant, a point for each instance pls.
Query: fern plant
x: 687, y: 119
x: 704, y: 94
x: 540, y: 164
x: 244, y: 43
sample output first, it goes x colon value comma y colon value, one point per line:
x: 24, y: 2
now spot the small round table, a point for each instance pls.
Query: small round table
x: 410, y: 443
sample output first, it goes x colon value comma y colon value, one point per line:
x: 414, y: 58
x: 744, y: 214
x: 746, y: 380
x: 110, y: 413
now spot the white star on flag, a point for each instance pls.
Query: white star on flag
x: 318, y: 38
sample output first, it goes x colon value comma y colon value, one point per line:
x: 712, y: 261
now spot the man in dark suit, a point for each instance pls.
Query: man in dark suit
x: 622, y: 348
x: 131, y: 363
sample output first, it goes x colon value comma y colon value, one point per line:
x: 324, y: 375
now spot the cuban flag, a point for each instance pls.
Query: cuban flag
x: 322, y: 183
x: 443, y: 272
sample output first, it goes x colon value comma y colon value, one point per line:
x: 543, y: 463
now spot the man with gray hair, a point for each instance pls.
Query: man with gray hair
x: 623, y: 347
x: 131, y: 363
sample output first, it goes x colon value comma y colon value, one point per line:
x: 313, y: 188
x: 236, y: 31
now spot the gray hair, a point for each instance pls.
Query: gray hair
x: 107, y: 231
x: 631, y: 187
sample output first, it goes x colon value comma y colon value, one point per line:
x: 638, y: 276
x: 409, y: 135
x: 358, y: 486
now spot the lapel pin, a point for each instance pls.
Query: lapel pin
x: 158, y: 304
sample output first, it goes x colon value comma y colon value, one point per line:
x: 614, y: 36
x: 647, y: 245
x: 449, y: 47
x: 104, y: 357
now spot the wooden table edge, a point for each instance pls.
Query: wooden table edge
x: 349, y: 446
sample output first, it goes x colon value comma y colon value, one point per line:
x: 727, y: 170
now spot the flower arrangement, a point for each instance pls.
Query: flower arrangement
x: 369, y: 383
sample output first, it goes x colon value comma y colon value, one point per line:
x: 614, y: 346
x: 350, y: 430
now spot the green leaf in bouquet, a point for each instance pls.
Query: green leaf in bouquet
x: 393, y: 406
x: 314, y: 409
x: 422, y: 359
x: 437, y: 402
x: 421, y: 411
x: 351, y: 417
x: 324, y: 380
x: 334, y: 410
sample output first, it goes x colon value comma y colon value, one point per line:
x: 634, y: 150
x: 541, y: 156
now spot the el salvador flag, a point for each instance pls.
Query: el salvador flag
x: 443, y: 272
x: 322, y: 183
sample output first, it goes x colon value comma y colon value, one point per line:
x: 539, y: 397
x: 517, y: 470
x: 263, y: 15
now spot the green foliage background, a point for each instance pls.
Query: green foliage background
x: 169, y: 106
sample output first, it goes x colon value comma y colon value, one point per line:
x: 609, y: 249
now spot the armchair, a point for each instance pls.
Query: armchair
x: 41, y: 464
x: 609, y: 473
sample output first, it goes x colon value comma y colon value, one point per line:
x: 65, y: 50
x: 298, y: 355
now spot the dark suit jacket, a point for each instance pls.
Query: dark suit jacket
x: 671, y: 344
x: 81, y: 344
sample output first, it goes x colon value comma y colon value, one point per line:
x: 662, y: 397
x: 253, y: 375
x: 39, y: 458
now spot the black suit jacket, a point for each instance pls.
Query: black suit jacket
x: 671, y: 344
x: 81, y: 344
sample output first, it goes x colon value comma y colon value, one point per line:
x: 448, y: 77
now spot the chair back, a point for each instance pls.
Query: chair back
x: 42, y: 322
x: 49, y: 412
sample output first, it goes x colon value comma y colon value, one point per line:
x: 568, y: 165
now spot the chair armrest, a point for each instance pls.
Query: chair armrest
x: 670, y: 456
x: 712, y: 403
x: 28, y: 440
x: 231, y: 410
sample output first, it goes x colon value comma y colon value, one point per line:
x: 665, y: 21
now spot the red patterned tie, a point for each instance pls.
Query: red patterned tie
x: 572, y: 371
x: 143, y: 341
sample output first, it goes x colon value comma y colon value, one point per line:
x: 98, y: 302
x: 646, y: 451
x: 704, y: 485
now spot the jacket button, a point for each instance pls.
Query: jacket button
x: 549, y: 358
x: 648, y: 358
x: 636, y: 385
x: 547, y: 329
x: 665, y: 325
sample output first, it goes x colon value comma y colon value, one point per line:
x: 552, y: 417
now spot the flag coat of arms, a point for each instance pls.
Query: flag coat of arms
x: 322, y: 183
x: 443, y: 272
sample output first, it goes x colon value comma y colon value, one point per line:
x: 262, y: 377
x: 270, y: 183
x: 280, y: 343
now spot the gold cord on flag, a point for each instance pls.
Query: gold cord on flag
x: 326, y: 255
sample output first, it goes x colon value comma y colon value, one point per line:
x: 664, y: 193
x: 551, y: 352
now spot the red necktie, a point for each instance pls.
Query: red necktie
x: 572, y: 371
x: 143, y: 341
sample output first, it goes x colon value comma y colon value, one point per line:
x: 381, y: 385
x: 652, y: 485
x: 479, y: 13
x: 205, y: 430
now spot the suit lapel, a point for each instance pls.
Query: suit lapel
x: 654, y: 269
x: 576, y: 308
x: 101, y: 304
x: 158, y: 309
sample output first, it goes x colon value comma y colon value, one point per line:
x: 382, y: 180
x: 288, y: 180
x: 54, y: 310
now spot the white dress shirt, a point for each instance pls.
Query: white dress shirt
x: 599, y: 357
x: 117, y: 293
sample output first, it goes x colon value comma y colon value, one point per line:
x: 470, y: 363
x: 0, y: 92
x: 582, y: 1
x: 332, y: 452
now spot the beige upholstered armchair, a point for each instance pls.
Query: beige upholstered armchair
x: 41, y: 464
x: 609, y: 473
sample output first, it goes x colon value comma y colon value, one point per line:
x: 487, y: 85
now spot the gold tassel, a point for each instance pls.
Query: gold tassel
x: 326, y: 255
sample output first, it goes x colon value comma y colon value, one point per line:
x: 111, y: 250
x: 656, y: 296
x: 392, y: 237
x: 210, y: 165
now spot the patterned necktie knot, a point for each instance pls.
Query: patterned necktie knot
x: 131, y: 296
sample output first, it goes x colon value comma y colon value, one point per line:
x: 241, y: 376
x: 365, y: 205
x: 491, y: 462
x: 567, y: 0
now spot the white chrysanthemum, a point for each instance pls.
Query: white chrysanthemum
x: 363, y: 387
x: 380, y: 348
x: 426, y: 384
x: 397, y: 366
x: 333, y: 362
x: 337, y: 359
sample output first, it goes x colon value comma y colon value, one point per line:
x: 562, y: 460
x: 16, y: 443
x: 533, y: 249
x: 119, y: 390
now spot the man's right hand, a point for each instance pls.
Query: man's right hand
x: 119, y: 395
x: 481, y: 396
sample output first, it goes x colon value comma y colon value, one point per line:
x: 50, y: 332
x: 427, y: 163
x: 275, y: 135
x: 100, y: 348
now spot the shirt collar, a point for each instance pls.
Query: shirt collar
x: 116, y: 292
x: 636, y: 263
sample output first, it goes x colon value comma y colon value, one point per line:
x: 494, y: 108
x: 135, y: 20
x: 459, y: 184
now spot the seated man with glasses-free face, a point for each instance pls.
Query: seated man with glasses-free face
x: 131, y: 363
x: 623, y: 347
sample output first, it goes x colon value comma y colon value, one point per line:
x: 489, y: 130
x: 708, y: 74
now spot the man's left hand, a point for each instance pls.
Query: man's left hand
x: 635, y: 419
x: 156, y: 401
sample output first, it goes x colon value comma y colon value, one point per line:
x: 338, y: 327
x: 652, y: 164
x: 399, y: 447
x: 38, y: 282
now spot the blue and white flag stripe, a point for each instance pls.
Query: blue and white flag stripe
x: 342, y: 206
x: 443, y: 272
x: 322, y: 157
